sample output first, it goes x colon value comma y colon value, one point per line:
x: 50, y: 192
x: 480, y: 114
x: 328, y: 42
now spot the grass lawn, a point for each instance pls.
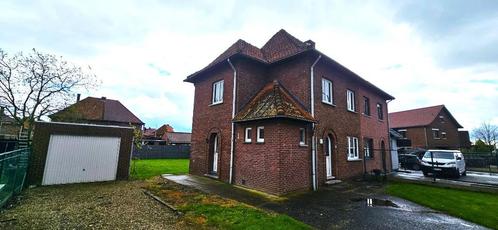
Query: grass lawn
x: 203, y: 210
x: 478, y: 207
x: 144, y: 169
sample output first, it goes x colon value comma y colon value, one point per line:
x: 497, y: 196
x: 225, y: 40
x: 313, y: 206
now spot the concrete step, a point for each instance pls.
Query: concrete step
x: 331, y: 182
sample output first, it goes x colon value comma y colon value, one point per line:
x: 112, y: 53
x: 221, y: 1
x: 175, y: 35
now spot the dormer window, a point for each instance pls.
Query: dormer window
x: 218, y: 92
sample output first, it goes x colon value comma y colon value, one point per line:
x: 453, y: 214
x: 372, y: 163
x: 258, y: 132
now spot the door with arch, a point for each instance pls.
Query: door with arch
x: 329, y: 150
x: 214, y: 152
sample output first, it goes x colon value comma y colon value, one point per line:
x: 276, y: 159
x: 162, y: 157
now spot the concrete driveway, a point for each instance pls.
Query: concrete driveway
x: 474, y: 178
x: 348, y: 205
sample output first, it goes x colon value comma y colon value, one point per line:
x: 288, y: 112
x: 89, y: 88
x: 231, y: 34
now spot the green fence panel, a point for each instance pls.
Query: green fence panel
x: 13, y: 170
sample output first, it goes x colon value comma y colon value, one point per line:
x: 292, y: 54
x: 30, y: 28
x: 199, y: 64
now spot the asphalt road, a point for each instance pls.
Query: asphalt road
x: 471, y: 177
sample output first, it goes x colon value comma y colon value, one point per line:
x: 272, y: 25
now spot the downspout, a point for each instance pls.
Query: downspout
x: 425, y: 134
x: 233, y: 116
x: 389, y: 134
x: 313, y: 138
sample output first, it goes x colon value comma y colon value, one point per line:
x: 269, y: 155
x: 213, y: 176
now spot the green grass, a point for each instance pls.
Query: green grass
x: 144, y: 169
x: 477, y: 207
x: 241, y: 216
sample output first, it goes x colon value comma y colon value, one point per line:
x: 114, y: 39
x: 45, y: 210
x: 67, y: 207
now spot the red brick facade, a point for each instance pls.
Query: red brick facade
x: 280, y: 164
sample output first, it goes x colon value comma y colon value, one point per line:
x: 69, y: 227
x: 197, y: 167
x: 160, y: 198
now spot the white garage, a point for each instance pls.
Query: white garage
x: 65, y: 153
x: 76, y: 159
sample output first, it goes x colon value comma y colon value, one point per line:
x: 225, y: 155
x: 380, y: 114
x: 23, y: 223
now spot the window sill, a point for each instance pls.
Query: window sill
x: 218, y: 103
x: 259, y: 142
x: 329, y: 104
x: 303, y: 145
x: 247, y: 142
x: 380, y: 120
x: 352, y: 111
x: 366, y: 115
x: 354, y: 160
x: 369, y: 158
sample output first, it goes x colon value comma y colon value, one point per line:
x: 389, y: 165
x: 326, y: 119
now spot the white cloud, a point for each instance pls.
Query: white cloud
x: 128, y: 42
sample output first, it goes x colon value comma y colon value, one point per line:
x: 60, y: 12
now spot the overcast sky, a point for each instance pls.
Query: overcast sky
x: 423, y: 53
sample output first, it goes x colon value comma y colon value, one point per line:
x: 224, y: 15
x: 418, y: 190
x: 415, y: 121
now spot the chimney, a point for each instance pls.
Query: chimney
x: 103, y: 98
x: 78, y: 96
x: 310, y: 44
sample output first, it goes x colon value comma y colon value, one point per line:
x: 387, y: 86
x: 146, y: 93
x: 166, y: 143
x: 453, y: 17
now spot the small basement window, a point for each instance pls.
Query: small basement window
x: 261, y: 134
x: 248, y: 135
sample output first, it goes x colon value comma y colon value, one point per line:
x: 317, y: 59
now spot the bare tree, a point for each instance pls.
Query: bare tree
x: 486, y: 132
x: 37, y: 84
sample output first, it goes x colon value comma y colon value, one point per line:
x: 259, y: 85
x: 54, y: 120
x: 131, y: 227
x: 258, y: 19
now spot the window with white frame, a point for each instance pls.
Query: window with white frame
x: 327, y: 91
x: 443, y: 135
x: 248, y: 135
x: 260, y: 134
x: 302, y: 136
x: 380, y: 112
x: 402, y: 132
x: 435, y: 133
x: 351, y: 100
x: 353, y: 148
x: 218, y: 92
x: 368, y: 148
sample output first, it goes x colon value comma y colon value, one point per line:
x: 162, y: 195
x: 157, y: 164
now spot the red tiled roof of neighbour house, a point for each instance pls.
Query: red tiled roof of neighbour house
x: 177, y: 137
x: 417, y: 117
x: 98, y: 109
x: 273, y: 101
x: 280, y: 46
x: 164, y: 129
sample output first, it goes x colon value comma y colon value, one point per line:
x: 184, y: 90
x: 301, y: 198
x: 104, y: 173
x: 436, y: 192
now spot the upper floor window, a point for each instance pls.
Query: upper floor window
x: 302, y: 136
x: 380, y: 112
x: 366, y: 106
x: 353, y: 148
x: 327, y: 91
x: 443, y: 135
x: 441, y: 119
x: 351, y: 100
x: 368, y: 148
x: 218, y: 92
x: 436, y: 134
x: 248, y: 135
x: 260, y: 134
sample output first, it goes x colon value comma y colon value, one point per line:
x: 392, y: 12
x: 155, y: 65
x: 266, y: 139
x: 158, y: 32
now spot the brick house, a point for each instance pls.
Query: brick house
x: 429, y: 128
x: 101, y: 111
x: 285, y: 117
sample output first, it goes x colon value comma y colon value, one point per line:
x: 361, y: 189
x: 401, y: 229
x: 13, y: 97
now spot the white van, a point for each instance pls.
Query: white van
x: 449, y: 162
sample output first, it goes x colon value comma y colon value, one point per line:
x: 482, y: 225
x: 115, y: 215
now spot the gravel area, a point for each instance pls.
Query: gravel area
x: 110, y: 205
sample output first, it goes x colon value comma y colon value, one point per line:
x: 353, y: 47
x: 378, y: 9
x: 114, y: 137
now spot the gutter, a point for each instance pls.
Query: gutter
x: 313, y: 138
x: 232, y: 144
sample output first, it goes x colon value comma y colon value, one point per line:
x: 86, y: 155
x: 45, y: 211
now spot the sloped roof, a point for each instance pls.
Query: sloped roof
x: 417, y: 117
x: 97, y: 109
x: 177, y: 137
x: 280, y: 46
x: 273, y: 101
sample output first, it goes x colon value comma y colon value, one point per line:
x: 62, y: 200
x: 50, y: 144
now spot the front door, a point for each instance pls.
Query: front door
x: 328, y: 158
x: 214, y: 163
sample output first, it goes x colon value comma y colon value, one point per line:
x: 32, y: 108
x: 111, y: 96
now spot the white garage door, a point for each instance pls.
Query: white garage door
x: 76, y: 159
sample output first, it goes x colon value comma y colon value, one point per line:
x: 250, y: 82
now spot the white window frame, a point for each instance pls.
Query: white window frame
x: 380, y: 112
x: 351, y: 100
x: 260, y: 139
x: 442, y: 135
x: 368, y: 148
x: 217, y: 92
x: 247, y: 137
x: 327, y: 88
x: 434, y: 134
x: 353, y: 148
x: 400, y: 131
x: 302, y: 136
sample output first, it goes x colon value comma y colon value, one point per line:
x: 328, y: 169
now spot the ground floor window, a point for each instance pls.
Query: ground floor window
x: 368, y: 148
x: 353, y: 148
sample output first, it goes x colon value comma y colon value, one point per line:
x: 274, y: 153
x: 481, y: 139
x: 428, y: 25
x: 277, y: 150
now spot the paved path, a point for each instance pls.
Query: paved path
x: 340, y: 206
x: 472, y: 178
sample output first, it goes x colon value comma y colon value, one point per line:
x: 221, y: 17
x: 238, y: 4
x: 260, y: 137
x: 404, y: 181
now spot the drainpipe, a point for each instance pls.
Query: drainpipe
x: 313, y: 138
x: 425, y: 134
x: 233, y: 116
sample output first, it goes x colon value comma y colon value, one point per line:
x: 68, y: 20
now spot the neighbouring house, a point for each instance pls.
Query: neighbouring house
x: 158, y: 136
x: 164, y: 129
x: 428, y: 128
x: 285, y: 117
x: 464, y: 139
x: 9, y: 128
x: 101, y: 111
x: 177, y: 138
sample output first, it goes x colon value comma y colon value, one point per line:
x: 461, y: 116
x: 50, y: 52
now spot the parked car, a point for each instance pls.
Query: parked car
x: 444, y: 162
x: 418, y: 152
x: 409, y: 161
